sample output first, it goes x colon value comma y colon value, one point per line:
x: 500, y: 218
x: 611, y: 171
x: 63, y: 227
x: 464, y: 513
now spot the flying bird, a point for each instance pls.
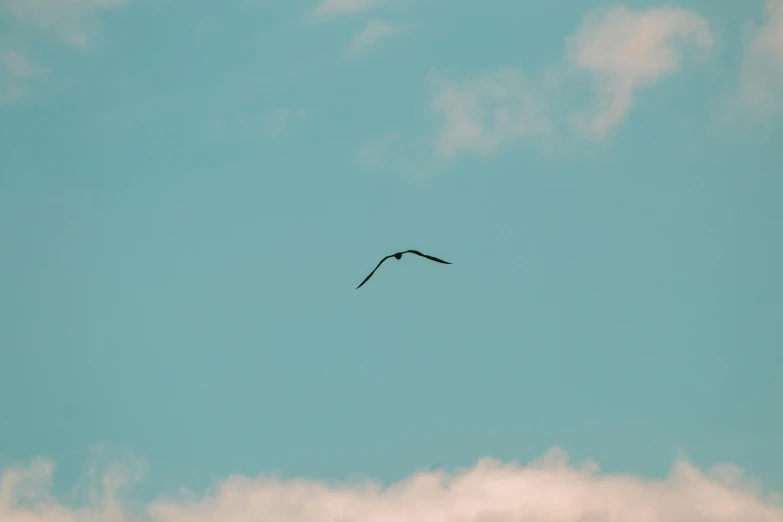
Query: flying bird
x: 398, y: 256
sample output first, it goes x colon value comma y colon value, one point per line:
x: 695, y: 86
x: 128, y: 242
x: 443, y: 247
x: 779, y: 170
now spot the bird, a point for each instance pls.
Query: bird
x: 398, y: 256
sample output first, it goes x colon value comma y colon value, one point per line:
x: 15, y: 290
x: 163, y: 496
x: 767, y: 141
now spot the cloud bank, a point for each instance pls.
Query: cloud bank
x: 547, y: 490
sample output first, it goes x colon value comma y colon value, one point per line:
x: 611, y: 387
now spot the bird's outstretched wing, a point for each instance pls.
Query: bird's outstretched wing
x: 374, y: 269
x: 431, y: 258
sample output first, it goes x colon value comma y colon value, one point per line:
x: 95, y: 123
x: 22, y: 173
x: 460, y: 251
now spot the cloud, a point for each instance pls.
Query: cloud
x: 547, y: 490
x: 485, y: 112
x: 761, y: 80
x: 17, y: 72
x: 612, y: 55
x: 74, y: 22
x: 275, y: 123
x: 380, y: 151
x: 396, y: 151
x: 369, y: 37
x: 331, y: 8
x: 625, y: 50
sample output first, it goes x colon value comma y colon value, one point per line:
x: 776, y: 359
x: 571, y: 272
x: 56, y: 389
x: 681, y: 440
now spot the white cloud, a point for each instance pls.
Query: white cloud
x: 74, y: 22
x: 761, y: 81
x: 396, y: 151
x: 381, y: 151
x: 275, y: 123
x: 369, y: 37
x: 547, y: 490
x: 624, y: 50
x: 613, y: 54
x: 17, y: 72
x: 330, y: 8
x: 485, y: 112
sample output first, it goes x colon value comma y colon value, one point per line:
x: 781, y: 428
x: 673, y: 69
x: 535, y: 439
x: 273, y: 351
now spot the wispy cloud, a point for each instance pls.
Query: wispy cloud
x: 369, y: 37
x: 73, y: 23
x: 485, y: 112
x: 331, y: 8
x: 547, y: 490
x: 614, y: 54
x: 625, y: 50
x: 17, y: 72
x: 275, y: 123
x: 761, y: 81
x: 396, y: 151
x: 372, y: 33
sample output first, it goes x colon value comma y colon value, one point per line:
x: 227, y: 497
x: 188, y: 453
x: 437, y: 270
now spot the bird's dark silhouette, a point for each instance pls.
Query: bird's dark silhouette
x: 398, y: 256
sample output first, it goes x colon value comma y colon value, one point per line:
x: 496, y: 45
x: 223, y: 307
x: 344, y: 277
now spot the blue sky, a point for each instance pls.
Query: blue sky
x: 190, y: 193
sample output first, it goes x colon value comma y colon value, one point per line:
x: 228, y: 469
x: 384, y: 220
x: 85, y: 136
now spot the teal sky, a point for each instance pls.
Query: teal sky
x: 191, y: 191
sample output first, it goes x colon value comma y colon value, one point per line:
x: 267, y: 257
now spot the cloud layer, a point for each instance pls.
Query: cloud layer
x: 547, y: 490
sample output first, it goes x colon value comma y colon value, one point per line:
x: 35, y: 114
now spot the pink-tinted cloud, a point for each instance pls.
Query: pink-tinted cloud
x: 614, y: 54
x: 483, y: 113
x: 548, y: 490
x: 625, y: 50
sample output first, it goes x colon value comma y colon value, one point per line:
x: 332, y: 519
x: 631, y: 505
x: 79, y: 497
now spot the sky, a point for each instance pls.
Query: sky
x: 190, y: 193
